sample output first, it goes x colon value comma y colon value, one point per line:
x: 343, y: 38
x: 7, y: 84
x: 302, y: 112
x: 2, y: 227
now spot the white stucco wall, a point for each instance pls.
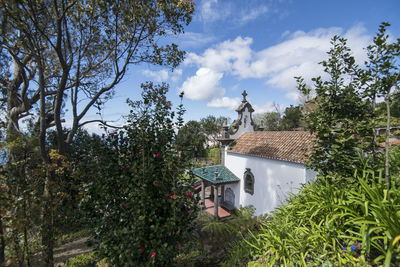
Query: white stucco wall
x: 274, y: 180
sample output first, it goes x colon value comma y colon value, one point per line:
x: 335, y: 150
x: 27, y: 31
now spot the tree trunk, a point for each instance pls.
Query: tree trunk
x: 387, y: 178
x: 2, y: 243
x: 47, y: 227
x: 374, y: 158
x: 47, y: 208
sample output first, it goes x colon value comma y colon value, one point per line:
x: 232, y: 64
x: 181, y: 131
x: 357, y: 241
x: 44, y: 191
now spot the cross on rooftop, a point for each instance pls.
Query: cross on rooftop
x: 244, y: 94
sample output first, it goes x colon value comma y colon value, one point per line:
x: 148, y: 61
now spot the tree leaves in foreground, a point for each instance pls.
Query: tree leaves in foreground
x: 358, y: 226
x: 344, y: 119
x: 141, y: 203
x: 67, y: 54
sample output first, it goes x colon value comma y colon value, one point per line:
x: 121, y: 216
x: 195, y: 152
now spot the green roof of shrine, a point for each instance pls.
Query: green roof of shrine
x: 224, y: 175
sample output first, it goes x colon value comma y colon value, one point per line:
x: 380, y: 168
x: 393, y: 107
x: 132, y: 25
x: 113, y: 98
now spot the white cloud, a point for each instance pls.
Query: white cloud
x: 176, y: 75
x: 358, y: 39
x: 158, y: 76
x: 252, y: 14
x: 238, y: 13
x: 267, y: 107
x: 194, y: 39
x: 211, y: 10
x: 224, y: 102
x: 204, y: 85
x: 227, y: 56
x: 163, y: 75
x: 298, y: 55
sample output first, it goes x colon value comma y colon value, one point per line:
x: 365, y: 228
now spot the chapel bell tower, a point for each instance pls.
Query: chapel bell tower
x: 243, y: 124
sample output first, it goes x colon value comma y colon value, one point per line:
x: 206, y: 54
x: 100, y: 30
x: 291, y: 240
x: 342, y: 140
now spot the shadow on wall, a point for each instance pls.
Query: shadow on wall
x: 274, y: 181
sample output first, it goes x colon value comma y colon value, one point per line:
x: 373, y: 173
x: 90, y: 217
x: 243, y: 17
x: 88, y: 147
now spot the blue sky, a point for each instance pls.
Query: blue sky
x: 258, y: 46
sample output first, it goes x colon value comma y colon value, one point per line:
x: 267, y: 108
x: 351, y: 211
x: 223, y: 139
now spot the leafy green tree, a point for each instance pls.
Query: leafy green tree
x: 141, y: 204
x: 80, y: 50
x: 340, y: 113
x: 20, y: 198
x: 395, y: 105
x: 270, y: 120
x: 291, y: 118
x: 212, y: 126
x: 383, y: 76
x: 191, y: 140
x: 76, y: 52
x: 345, y: 113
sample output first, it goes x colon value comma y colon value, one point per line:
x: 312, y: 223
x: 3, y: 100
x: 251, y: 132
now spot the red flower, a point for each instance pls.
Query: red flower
x: 153, y: 254
x: 142, y: 248
x: 125, y: 205
x: 186, y: 212
x: 155, y: 183
x: 190, y: 195
x: 179, y: 245
x: 102, y: 135
x: 170, y: 195
x: 112, y: 133
x: 164, y: 239
x: 126, y: 168
x: 158, y: 155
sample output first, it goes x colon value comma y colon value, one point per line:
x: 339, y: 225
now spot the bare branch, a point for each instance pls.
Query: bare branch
x: 102, y: 122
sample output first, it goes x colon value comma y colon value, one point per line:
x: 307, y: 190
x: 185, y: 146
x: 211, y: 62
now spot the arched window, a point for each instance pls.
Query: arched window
x: 229, y: 196
x: 248, y: 181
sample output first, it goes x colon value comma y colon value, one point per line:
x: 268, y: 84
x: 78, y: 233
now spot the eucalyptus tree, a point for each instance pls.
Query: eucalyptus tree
x: 67, y: 52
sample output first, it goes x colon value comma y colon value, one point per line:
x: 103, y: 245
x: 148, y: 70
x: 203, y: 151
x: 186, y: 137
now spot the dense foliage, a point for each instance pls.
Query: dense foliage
x: 344, y: 116
x: 212, y: 126
x: 141, y: 204
x: 191, y: 140
x: 291, y: 119
x: 358, y: 224
x: 67, y: 54
x: 213, y: 238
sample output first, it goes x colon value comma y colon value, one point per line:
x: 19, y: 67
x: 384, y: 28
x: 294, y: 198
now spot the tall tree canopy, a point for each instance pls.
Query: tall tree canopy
x: 344, y: 118
x: 191, y: 140
x: 269, y: 120
x: 77, y: 51
x: 71, y: 54
x: 212, y: 126
x: 291, y: 118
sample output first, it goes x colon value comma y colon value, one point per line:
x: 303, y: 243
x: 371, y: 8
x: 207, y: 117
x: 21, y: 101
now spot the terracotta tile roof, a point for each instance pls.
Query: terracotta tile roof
x: 391, y: 143
x: 281, y: 145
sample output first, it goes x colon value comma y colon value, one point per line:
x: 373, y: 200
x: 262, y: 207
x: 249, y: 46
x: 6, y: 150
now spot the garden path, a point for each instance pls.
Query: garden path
x: 70, y: 250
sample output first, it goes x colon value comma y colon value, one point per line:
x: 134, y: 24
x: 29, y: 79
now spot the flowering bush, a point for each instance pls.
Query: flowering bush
x: 141, y: 205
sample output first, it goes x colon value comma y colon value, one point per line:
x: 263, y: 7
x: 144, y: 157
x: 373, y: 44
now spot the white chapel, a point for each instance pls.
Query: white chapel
x: 258, y: 168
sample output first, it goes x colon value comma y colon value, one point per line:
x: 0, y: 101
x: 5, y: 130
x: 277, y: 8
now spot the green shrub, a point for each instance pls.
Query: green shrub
x: 84, y: 260
x: 215, y: 155
x: 339, y: 224
x: 141, y: 205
